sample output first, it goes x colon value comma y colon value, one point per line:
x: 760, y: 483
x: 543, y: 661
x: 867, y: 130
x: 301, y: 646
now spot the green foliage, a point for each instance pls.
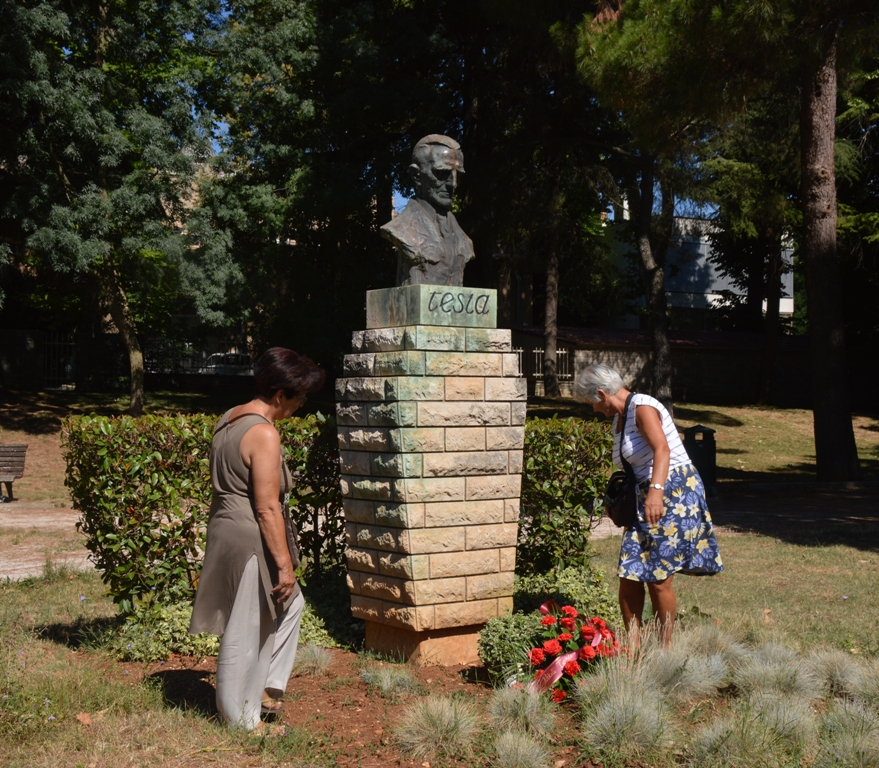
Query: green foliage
x: 504, y: 643
x: 143, y: 489
x: 159, y: 630
x: 312, y: 454
x: 584, y: 588
x: 563, y: 481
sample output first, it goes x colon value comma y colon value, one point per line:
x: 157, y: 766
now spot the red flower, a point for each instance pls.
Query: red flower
x: 552, y: 647
x: 536, y: 656
x: 587, y: 652
x: 564, y: 637
x: 548, y: 621
x: 572, y: 668
x: 568, y: 622
x: 600, y: 623
x: 569, y: 610
x: 587, y: 633
x: 606, y: 634
x: 538, y: 673
x: 603, y: 650
x: 558, y: 695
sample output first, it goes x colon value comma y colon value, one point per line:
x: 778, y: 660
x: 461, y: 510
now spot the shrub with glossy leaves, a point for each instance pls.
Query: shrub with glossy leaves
x: 143, y: 489
x: 563, y: 480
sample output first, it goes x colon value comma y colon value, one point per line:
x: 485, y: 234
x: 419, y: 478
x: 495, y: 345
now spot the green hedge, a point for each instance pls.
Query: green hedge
x: 143, y: 489
x: 563, y: 480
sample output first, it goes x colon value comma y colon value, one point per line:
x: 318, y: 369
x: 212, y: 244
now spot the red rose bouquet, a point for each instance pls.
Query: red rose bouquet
x: 571, y: 643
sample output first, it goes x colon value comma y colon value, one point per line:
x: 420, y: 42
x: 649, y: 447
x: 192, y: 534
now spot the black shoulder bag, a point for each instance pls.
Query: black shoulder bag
x: 620, y: 500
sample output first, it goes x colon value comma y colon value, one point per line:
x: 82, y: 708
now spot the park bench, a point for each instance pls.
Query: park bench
x: 11, y: 466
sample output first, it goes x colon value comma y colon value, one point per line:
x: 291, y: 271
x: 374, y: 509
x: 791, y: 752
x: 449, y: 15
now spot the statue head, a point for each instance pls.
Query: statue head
x: 436, y: 162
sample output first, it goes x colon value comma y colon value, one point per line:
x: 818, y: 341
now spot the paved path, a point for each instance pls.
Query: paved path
x: 34, y: 533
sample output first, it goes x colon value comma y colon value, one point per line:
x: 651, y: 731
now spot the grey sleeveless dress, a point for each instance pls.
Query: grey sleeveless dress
x: 233, y: 535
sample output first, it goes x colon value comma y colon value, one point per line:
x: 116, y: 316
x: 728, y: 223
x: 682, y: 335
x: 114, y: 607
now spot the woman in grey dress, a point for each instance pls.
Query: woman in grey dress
x: 247, y: 591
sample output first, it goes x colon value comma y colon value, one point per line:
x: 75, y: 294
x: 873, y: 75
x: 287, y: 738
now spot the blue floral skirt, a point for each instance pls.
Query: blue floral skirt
x: 683, y: 539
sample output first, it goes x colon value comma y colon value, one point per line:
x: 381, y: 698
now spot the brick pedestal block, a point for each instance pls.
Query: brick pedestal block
x: 431, y: 430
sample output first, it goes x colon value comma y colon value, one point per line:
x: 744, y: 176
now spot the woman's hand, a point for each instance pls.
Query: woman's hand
x: 286, y: 584
x: 653, y: 506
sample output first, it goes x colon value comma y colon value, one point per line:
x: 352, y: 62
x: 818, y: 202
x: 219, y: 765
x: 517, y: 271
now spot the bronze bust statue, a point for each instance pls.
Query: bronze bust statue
x: 431, y: 246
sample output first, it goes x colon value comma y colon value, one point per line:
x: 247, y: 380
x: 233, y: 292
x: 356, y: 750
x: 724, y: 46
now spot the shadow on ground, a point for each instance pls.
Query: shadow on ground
x: 187, y: 689
x: 804, y: 514
x: 83, y: 633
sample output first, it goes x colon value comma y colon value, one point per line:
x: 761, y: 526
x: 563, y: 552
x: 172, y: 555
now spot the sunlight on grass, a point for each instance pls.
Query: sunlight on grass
x: 816, y: 595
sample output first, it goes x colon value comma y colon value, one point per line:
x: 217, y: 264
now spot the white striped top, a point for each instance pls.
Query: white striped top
x: 637, y: 450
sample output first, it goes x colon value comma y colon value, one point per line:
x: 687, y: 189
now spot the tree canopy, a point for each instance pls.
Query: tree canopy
x: 237, y: 159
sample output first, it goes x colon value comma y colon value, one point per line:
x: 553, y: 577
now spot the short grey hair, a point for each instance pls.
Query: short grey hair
x: 595, y: 377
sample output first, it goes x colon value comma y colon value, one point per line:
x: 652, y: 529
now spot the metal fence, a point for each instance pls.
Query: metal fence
x: 531, y: 366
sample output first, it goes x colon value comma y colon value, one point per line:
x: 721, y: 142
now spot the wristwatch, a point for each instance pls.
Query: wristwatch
x: 657, y: 486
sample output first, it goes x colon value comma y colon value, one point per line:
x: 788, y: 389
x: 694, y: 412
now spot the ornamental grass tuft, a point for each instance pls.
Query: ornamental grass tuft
x: 681, y: 675
x: 438, y: 728
x: 516, y: 709
x: 625, y: 714
x: 313, y: 660
x: 764, y: 731
x: 709, y: 640
x: 837, y: 672
x: 866, y: 689
x: 775, y: 668
x: 514, y: 749
x: 390, y: 679
x: 850, y: 737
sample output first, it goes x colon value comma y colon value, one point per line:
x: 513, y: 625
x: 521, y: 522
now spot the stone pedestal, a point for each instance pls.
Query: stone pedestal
x: 431, y: 429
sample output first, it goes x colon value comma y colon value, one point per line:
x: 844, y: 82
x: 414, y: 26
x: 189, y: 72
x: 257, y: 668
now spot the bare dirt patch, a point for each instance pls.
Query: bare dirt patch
x: 353, y: 724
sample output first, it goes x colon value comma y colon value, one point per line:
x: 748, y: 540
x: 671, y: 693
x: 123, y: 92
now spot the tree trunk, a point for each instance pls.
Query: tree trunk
x: 772, y: 325
x: 654, y: 285
x: 550, y: 330
x: 114, y: 292
x: 756, y: 283
x: 835, y: 450
x: 120, y: 312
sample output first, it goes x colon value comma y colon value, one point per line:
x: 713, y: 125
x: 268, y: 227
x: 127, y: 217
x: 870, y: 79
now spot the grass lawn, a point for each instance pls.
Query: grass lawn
x: 811, y: 595
x: 754, y: 443
x: 64, y: 702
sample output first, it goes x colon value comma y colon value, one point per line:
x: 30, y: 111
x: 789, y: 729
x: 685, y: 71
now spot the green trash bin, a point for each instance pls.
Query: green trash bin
x: 702, y: 450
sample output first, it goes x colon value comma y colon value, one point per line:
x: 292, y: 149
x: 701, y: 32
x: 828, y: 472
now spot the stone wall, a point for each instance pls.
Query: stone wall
x: 431, y: 430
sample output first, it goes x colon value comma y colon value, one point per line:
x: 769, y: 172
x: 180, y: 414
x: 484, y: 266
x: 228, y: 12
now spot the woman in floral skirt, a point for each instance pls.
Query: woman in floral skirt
x: 673, y: 531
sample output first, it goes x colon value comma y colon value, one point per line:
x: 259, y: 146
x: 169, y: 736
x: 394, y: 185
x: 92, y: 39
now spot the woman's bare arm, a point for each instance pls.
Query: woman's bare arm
x: 261, y: 452
x: 650, y: 425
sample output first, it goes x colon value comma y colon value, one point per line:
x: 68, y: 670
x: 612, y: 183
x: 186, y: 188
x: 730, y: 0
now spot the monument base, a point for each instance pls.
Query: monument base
x: 446, y: 647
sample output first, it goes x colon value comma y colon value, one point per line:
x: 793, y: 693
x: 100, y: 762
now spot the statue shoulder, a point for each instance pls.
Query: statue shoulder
x: 413, y: 232
x: 466, y: 244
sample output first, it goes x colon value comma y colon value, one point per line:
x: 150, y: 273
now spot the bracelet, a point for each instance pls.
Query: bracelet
x: 657, y: 486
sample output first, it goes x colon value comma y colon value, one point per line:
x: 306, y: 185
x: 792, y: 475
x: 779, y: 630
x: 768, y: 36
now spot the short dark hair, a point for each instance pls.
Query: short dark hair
x: 283, y: 369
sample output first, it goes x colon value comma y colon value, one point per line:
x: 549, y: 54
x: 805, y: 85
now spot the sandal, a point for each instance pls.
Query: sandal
x: 271, y: 706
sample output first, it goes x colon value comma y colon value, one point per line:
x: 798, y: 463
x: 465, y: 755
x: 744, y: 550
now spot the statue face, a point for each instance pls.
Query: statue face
x: 436, y: 180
